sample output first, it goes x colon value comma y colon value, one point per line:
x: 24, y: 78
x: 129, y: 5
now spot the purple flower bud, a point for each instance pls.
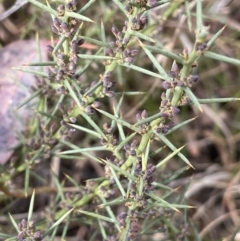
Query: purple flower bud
x: 74, y: 3
x: 166, y: 85
x: 109, y: 93
x: 175, y: 67
x: 180, y: 83
x: 96, y: 104
x: 89, y: 110
x: 129, y: 60
x: 69, y: 6
x: 165, y: 114
x: 112, y: 44
x: 55, y: 30
x: 164, y: 102
x: 134, y: 53
x: 73, y: 119
x: 143, y: 20
x: 172, y: 74
x: 49, y: 49
x: 193, y: 78
x: 144, y: 114
x: 153, y: 169
x: 122, y: 216
x: 109, y: 52
x: 115, y: 30
x: 126, y: 40
x: 64, y: 27
x: 175, y: 83
x: 23, y: 224
x: 61, y: 10
x: 31, y: 224
x: 71, y: 67
x: 37, y: 236
x: 21, y: 235
x: 175, y: 110
x: 152, y: 3
x: 163, y: 96
x: 129, y: 9
x: 138, y: 117
x: 105, y: 126
x: 162, y: 130
x: 56, y: 23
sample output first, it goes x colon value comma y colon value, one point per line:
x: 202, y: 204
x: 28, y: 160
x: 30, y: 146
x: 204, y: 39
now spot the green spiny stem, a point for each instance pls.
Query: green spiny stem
x: 186, y: 70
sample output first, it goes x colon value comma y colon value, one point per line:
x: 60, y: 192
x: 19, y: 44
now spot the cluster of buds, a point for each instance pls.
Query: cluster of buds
x: 47, y: 90
x: 166, y: 108
x: 138, y: 23
x: 130, y: 150
x: 70, y: 198
x: 183, y: 233
x: 143, y: 4
x: 163, y: 128
x: 121, y: 41
x: 128, y: 55
x: 143, y: 128
x: 110, y: 141
x: 65, y: 113
x: 202, y: 48
x: 47, y: 140
x: 66, y: 63
x: 107, y: 192
x: 140, y: 201
x: 120, y: 46
x: 66, y: 29
x: 28, y: 231
x: 107, y: 85
x: 149, y: 178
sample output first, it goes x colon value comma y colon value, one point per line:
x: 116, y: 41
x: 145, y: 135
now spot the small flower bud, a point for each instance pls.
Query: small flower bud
x: 129, y: 9
x: 175, y: 110
x: 138, y: 117
x: 129, y: 60
x: 69, y: 6
x: 37, y: 236
x: 64, y: 27
x: 109, y: 52
x: 31, y: 224
x: 134, y: 53
x: 96, y: 104
x: 74, y: 4
x: 56, y: 23
x: 144, y: 114
x: 152, y: 3
x: 81, y: 42
x: 55, y: 30
x: 109, y: 93
x: 115, y: 30
x: 166, y: 85
x: 133, y: 153
x: 143, y: 20
x: 193, y: 78
x: 73, y: 119
x: 89, y: 110
x: 61, y: 10
x: 126, y: 40
x: 23, y: 224
x: 49, y: 49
